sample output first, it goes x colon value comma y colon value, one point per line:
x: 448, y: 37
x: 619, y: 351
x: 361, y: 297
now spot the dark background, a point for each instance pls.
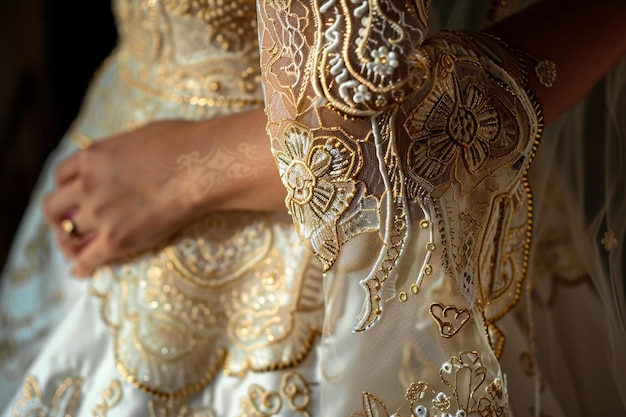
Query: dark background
x: 48, y: 53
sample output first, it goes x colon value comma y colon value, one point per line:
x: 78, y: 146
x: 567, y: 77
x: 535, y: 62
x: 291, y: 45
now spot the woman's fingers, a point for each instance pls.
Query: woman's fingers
x: 62, y: 202
x: 70, y: 239
x: 93, y: 254
x: 67, y: 169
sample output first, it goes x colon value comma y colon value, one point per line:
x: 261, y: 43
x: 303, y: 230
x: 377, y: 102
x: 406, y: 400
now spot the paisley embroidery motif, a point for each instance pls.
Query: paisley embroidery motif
x: 449, y: 319
x: 368, y: 59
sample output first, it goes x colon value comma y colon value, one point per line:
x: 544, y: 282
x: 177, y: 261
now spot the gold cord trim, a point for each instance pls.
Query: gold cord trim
x: 193, y: 100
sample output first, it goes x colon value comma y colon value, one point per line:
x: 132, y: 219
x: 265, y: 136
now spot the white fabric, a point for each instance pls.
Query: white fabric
x: 58, y: 338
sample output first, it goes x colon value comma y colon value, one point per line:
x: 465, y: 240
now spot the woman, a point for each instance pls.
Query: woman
x: 405, y: 162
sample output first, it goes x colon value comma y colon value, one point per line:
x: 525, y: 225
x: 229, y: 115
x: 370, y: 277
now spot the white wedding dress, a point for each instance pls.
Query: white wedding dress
x: 410, y: 188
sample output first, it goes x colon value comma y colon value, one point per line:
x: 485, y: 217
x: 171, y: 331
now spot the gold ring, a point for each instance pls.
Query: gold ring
x: 69, y: 227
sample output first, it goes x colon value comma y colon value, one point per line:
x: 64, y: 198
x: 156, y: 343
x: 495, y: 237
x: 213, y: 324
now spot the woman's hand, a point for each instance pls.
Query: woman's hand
x: 131, y: 191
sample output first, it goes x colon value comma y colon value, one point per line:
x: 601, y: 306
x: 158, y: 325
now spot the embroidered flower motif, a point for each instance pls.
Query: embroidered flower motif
x: 385, y: 61
x: 469, y: 367
x: 609, y: 241
x: 462, y: 123
x: 470, y: 394
x: 442, y: 402
x: 362, y: 94
x: 465, y: 130
x: 416, y: 391
x: 34, y: 401
x: 320, y: 186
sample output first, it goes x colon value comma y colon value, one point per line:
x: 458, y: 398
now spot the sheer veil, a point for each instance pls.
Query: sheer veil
x: 577, y: 262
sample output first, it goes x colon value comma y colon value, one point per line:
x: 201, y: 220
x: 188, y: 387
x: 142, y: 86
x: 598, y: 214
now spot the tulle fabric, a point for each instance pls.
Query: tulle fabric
x: 577, y: 274
x: 577, y: 277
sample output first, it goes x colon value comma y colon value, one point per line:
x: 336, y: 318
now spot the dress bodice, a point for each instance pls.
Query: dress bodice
x: 203, y: 53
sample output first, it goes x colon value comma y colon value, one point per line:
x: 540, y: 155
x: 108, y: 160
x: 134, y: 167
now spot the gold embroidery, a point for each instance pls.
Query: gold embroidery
x: 37, y: 252
x: 294, y: 393
x: 496, y: 338
x: 449, y: 319
x: 223, y: 295
x: 319, y: 186
x: 191, y: 99
x: 171, y: 408
x: 454, y: 139
x: 109, y: 398
x: 461, y: 126
x: 609, y: 241
x: 261, y: 403
x: 368, y: 57
x: 231, y: 25
x: 479, y: 393
x: 546, y: 72
x: 63, y: 402
x: 294, y: 388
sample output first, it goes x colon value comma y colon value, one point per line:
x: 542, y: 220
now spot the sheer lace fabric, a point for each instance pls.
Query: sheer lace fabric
x: 407, y: 163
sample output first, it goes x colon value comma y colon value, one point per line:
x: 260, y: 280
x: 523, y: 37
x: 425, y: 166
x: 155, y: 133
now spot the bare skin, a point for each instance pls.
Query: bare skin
x: 584, y: 38
x: 133, y: 190
x: 130, y: 191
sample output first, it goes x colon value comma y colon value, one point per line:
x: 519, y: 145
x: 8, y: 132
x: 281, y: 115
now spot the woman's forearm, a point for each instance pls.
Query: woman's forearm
x: 230, y: 165
x: 583, y: 38
x: 132, y: 190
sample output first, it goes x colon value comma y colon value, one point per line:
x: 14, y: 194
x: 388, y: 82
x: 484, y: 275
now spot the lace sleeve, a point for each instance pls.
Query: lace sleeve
x: 405, y: 160
x: 376, y: 130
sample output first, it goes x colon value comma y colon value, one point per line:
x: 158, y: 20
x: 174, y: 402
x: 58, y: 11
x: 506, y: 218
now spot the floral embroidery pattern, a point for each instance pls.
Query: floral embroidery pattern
x: 470, y: 395
x: 461, y: 124
x: 465, y: 129
x: 384, y: 61
x: 320, y: 187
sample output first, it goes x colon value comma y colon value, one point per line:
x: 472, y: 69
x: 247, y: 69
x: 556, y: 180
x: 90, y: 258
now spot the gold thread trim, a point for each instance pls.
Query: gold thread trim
x: 219, y: 101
